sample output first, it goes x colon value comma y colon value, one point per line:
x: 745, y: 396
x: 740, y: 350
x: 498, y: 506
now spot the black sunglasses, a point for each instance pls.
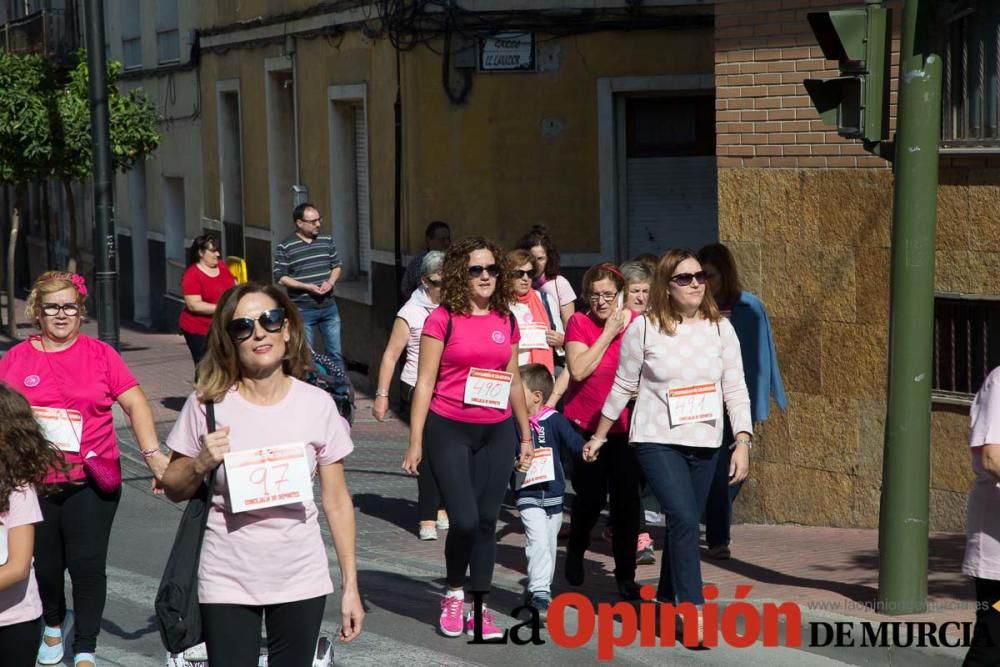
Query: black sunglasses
x: 242, y: 328
x: 684, y: 279
x: 520, y: 273
x: 476, y: 270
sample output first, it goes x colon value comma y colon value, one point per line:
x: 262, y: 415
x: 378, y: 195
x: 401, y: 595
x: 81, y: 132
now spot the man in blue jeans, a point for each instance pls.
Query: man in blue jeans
x: 306, y: 263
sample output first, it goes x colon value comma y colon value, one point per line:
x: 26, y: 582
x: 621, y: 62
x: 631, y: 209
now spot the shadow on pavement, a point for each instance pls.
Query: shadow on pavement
x: 174, y: 403
x: 114, y: 629
x: 398, y: 511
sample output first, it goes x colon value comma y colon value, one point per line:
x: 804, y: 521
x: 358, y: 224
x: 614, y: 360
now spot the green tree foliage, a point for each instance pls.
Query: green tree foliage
x: 26, y: 119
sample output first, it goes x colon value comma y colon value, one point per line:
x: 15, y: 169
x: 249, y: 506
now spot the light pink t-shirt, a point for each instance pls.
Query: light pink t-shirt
x: 275, y: 554
x: 476, y: 341
x: 558, y: 290
x: 414, y: 314
x: 20, y: 602
x: 982, y: 524
x: 87, y: 377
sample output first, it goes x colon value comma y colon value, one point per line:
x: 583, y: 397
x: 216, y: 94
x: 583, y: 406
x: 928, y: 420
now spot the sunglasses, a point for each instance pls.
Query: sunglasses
x: 476, y: 270
x: 684, y: 279
x: 520, y: 273
x: 53, y: 309
x: 242, y: 328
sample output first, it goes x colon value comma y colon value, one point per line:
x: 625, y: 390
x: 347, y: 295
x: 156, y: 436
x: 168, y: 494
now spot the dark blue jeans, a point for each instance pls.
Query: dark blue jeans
x: 719, y: 508
x: 680, y: 478
x: 327, y: 318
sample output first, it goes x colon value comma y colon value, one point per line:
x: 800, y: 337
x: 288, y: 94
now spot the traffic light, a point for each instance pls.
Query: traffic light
x: 857, y: 101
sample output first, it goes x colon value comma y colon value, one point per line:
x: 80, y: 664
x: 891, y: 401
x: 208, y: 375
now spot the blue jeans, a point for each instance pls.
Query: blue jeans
x: 719, y: 508
x: 328, y: 319
x: 680, y: 478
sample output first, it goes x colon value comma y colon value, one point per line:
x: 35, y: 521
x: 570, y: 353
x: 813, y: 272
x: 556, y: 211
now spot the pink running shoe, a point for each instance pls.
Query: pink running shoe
x: 490, y: 629
x: 451, y: 616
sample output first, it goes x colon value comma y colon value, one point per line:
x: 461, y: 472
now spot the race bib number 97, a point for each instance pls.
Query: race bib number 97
x: 268, y: 477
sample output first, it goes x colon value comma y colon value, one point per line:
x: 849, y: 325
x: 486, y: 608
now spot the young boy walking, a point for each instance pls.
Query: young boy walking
x: 540, y: 505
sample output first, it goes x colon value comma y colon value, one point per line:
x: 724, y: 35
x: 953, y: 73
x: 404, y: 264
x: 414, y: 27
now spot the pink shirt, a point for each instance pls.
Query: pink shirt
x: 584, y: 400
x: 414, y: 314
x: 87, y: 377
x: 476, y: 341
x: 275, y: 554
x: 20, y: 602
x: 982, y: 524
x: 558, y: 290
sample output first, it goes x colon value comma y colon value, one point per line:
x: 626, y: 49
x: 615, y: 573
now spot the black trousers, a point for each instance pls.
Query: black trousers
x: 232, y: 633
x: 985, y: 648
x: 196, y: 345
x: 615, y: 473
x: 472, y: 464
x: 74, y: 536
x: 19, y: 643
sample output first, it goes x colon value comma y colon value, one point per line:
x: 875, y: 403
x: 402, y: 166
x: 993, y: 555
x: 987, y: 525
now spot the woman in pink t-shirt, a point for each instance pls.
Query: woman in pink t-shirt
x: 204, y: 282
x: 25, y: 458
x: 593, y: 341
x: 263, y: 558
x: 71, y: 381
x: 406, y: 331
x: 467, y: 384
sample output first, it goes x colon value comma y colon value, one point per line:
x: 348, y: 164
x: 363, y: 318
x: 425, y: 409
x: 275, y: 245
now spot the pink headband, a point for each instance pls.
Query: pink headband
x: 78, y: 282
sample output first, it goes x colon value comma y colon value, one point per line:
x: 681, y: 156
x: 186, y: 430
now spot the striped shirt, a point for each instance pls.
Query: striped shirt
x: 307, y: 263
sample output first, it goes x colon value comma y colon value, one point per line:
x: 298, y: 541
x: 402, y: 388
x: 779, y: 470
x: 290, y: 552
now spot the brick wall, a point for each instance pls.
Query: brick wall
x: 764, y: 118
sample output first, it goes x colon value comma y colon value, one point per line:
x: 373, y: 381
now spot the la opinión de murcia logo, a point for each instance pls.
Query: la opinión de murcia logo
x: 738, y: 624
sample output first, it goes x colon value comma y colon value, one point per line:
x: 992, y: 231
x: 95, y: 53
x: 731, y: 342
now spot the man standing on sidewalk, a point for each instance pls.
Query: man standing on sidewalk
x: 308, y: 266
x: 437, y: 237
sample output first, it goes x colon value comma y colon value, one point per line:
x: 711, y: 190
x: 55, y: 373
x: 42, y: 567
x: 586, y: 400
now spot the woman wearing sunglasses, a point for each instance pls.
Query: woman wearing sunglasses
x: 71, y: 381
x: 405, y: 335
x: 593, y: 339
x: 537, y: 316
x: 263, y: 558
x: 684, y: 361
x: 468, y: 386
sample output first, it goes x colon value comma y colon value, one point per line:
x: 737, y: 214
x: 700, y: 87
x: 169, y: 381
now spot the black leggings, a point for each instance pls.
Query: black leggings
x: 196, y: 345
x: 232, y: 633
x: 428, y: 496
x: 472, y: 464
x: 615, y: 473
x: 19, y: 643
x: 74, y: 536
x: 985, y: 647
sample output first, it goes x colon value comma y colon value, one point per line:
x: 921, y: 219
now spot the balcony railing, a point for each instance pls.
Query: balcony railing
x: 52, y: 34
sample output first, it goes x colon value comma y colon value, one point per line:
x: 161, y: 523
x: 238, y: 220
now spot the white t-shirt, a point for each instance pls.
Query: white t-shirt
x: 20, y: 602
x: 982, y: 525
x: 276, y: 554
x: 414, y: 312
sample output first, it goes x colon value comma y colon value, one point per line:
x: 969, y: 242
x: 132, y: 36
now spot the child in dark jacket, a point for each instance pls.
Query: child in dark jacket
x: 540, y: 505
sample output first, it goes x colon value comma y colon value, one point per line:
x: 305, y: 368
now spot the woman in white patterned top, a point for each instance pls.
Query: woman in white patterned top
x: 684, y: 361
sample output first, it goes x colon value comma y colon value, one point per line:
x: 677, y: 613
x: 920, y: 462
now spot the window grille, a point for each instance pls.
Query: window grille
x: 966, y: 345
x: 971, y: 87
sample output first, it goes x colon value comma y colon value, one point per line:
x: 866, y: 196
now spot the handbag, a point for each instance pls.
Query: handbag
x: 178, y: 614
x: 106, y: 474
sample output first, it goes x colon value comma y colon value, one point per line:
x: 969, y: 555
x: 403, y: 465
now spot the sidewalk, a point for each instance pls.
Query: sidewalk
x: 831, y: 572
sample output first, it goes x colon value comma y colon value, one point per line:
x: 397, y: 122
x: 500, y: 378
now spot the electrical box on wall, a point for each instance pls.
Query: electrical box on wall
x: 300, y: 194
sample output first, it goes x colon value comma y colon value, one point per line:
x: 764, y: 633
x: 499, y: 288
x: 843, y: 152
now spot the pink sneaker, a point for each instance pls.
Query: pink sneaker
x: 490, y: 629
x: 451, y: 616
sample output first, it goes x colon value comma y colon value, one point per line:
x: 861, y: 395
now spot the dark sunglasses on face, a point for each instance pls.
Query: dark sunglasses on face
x: 476, y: 270
x: 242, y: 328
x: 684, y: 279
x: 518, y: 274
x: 68, y: 309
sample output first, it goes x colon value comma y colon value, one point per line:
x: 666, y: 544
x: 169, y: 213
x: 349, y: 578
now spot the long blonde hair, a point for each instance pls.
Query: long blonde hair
x: 661, y: 311
x: 220, y: 368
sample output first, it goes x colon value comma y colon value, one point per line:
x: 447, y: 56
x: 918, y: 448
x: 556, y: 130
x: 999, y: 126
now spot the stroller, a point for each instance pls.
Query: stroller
x: 331, y: 377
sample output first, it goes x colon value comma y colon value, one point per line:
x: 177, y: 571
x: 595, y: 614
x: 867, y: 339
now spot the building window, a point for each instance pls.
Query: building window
x: 168, y: 45
x: 131, y: 22
x: 971, y: 95
x: 966, y: 345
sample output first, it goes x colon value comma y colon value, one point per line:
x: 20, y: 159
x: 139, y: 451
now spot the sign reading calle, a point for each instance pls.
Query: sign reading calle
x: 507, y: 52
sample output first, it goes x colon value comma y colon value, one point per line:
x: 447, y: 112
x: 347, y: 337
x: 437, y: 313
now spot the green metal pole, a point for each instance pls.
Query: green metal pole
x: 906, y: 463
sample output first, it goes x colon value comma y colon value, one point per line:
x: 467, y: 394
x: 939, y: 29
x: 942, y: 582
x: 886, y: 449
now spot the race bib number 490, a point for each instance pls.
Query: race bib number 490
x: 490, y: 389
x: 268, y: 477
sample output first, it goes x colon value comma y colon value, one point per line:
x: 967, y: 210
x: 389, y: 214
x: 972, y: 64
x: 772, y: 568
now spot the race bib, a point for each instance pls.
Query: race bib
x: 490, y: 389
x: 694, y: 403
x: 62, y: 427
x: 268, y: 477
x: 542, y: 468
x: 533, y: 336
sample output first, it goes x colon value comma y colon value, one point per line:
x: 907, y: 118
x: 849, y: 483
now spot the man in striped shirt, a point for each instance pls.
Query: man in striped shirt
x: 308, y: 266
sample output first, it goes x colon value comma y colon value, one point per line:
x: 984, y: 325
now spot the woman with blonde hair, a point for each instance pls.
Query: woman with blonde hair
x: 683, y: 360
x: 264, y: 562
x: 71, y: 381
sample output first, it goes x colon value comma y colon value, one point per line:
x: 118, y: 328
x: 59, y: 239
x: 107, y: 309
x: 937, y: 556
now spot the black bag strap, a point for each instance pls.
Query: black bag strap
x: 210, y: 415
x: 210, y: 422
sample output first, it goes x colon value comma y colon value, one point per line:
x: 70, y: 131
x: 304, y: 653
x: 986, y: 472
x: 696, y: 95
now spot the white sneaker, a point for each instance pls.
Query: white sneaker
x: 428, y: 533
x: 442, y: 522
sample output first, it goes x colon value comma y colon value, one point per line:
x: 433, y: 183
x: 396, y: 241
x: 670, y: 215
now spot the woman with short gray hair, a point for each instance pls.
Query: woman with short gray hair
x: 405, y: 335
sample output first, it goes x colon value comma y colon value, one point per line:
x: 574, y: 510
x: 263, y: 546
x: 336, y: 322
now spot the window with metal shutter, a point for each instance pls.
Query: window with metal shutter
x: 361, y: 188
